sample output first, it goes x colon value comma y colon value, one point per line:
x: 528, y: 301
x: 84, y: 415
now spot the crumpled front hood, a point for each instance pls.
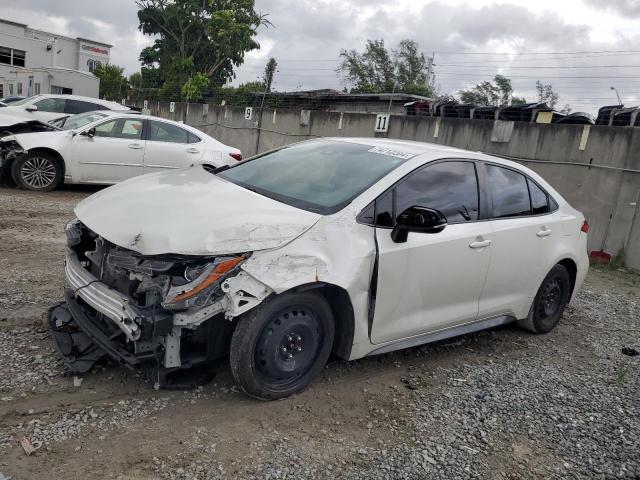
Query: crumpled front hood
x: 190, y: 212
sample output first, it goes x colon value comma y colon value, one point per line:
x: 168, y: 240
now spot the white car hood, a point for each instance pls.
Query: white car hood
x: 190, y: 212
x: 10, y: 116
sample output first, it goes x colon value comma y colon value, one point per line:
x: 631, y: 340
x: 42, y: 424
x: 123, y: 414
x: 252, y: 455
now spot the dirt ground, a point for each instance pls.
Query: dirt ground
x: 114, y: 425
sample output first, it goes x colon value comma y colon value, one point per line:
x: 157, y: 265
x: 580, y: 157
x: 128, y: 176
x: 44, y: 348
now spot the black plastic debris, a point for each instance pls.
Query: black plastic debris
x: 630, y: 352
x: 78, y: 351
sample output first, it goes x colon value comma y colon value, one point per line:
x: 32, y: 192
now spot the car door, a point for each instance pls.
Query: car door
x: 170, y: 146
x: 114, y: 153
x: 524, y: 231
x: 432, y: 281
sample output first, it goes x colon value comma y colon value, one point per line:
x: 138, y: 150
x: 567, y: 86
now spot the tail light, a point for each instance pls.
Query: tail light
x: 585, y: 227
x: 236, y: 156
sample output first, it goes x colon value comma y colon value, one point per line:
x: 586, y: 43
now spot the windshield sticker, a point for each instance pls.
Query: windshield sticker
x: 391, y: 153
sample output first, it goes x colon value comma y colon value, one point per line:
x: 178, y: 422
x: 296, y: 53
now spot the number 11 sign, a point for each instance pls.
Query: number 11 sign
x: 382, y: 122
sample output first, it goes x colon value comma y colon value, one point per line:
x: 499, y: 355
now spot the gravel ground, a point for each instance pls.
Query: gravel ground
x: 502, y: 404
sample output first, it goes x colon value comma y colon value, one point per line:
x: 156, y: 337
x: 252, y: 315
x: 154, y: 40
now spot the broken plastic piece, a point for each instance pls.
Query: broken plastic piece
x: 78, y: 351
x: 29, y: 446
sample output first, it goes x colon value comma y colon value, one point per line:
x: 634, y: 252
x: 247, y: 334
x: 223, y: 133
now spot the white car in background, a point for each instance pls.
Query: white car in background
x: 50, y: 107
x: 106, y: 147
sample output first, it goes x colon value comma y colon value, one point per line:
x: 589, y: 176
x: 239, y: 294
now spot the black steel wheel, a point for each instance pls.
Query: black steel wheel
x: 550, y: 301
x: 37, y: 171
x: 279, y: 347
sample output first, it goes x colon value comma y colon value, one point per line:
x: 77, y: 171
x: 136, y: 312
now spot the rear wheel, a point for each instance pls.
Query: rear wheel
x: 550, y: 301
x: 277, y: 349
x: 37, y: 171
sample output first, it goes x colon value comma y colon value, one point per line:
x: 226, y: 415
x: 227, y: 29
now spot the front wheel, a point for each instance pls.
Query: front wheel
x: 550, y: 301
x: 37, y: 171
x: 279, y: 347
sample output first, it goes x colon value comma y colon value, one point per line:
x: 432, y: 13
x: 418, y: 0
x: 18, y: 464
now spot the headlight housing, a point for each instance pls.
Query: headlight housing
x: 203, y: 281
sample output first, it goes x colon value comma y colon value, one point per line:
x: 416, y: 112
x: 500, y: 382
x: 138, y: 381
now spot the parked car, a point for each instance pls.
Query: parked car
x: 49, y: 107
x: 106, y: 147
x: 354, y: 247
x: 11, y: 99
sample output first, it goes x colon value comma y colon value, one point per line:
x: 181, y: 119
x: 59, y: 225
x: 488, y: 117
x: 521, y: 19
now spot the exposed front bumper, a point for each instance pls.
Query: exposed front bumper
x: 105, y: 300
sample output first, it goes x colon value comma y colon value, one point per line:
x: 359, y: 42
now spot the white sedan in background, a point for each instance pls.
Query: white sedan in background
x: 106, y: 147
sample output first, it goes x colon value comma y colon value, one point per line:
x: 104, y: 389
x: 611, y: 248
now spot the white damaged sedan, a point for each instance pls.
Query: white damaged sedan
x: 106, y: 147
x: 348, y: 246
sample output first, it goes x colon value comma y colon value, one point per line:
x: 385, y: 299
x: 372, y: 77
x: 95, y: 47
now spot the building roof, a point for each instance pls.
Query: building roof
x: 93, y: 41
x: 57, y: 35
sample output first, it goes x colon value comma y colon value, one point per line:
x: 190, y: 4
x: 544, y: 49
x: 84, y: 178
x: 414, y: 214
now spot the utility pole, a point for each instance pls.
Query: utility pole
x: 430, y: 65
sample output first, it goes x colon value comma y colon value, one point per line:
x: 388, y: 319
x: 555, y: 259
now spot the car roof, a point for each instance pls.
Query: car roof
x: 425, y: 150
x: 105, y: 103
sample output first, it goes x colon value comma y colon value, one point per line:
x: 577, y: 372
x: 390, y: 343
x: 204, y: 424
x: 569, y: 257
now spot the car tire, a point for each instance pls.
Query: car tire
x: 279, y: 347
x: 549, y: 303
x: 37, y: 171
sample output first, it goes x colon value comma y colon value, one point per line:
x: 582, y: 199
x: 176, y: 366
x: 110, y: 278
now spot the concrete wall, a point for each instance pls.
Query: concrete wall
x: 597, y: 169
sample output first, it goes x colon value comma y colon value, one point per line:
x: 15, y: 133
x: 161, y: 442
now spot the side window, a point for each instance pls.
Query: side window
x: 193, y: 138
x: 165, y: 132
x: 77, y: 106
x: 127, y: 128
x: 509, y: 192
x: 539, y: 199
x: 450, y: 187
x: 105, y: 129
x: 51, y: 105
x: 384, y: 210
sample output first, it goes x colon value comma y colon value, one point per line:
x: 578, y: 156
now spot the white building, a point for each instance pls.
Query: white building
x: 33, y: 62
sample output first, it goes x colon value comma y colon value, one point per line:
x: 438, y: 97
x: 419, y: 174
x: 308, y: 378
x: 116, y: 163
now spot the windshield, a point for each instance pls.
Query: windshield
x: 23, y: 101
x: 80, y: 120
x: 318, y: 175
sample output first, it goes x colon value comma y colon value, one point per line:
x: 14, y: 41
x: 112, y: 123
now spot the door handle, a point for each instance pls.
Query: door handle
x: 480, y: 244
x: 545, y: 232
x: 135, y: 146
x: 193, y: 150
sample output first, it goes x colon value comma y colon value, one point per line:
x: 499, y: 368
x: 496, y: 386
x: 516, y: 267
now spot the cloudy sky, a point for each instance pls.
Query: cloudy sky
x: 472, y: 40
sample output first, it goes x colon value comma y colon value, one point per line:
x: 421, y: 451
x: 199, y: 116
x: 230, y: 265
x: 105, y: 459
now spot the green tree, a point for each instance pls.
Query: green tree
x: 242, y: 94
x: 499, y: 92
x: 193, y: 88
x: 371, y: 71
x: 378, y: 70
x: 113, y: 83
x: 269, y: 72
x: 207, y: 37
x: 546, y: 94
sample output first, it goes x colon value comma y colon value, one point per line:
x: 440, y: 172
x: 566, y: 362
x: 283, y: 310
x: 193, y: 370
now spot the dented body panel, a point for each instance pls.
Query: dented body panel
x: 208, y: 215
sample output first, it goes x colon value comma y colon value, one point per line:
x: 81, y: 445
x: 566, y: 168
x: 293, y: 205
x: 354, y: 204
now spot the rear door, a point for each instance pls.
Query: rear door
x: 169, y: 146
x: 432, y: 281
x: 525, y: 229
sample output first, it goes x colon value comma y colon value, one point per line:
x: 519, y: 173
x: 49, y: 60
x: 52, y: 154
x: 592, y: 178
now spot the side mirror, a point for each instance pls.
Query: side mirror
x: 89, y: 133
x: 31, y: 108
x: 417, y: 219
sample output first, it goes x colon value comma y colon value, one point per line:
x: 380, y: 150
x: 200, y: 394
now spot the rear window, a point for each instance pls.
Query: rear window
x: 509, y: 192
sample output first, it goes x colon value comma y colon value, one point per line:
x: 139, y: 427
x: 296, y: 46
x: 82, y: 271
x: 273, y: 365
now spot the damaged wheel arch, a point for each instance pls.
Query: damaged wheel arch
x: 342, y: 309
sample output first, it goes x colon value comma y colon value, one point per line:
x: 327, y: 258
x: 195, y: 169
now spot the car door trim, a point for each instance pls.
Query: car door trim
x: 456, y: 331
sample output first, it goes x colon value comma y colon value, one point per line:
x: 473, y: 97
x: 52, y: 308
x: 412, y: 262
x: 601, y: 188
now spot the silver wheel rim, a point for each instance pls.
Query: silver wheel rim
x: 38, y: 172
